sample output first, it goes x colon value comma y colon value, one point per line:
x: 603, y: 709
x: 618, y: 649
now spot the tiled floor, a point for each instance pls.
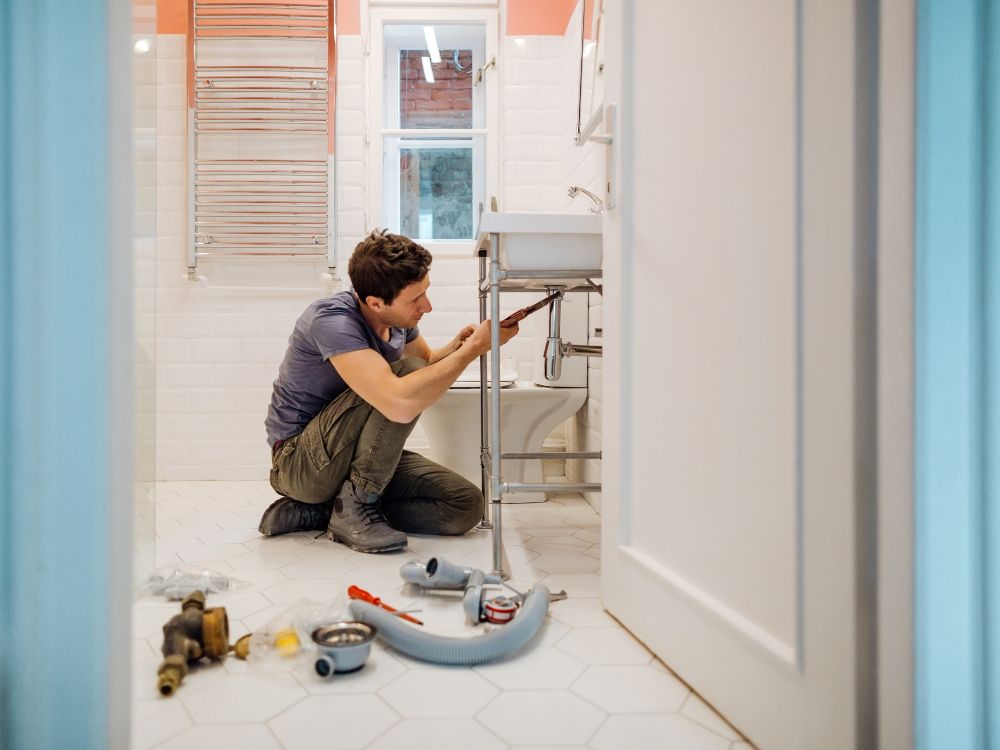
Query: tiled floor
x: 583, y: 682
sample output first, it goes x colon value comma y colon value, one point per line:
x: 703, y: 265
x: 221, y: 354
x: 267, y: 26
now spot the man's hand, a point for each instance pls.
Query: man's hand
x: 479, y: 339
x: 460, y: 337
x: 438, y: 354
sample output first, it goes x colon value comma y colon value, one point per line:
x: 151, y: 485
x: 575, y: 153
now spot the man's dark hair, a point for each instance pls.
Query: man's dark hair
x: 383, y: 264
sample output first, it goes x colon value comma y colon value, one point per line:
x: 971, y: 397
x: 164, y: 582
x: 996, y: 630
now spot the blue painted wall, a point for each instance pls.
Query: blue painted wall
x: 957, y: 595
x: 55, y: 251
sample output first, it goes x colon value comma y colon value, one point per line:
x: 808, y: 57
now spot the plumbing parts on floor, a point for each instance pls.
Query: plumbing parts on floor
x: 344, y: 645
x: 194, y: 633
x: 440, y: 574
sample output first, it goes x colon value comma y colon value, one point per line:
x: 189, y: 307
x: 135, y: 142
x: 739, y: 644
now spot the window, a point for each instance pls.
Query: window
x: 433, y: 140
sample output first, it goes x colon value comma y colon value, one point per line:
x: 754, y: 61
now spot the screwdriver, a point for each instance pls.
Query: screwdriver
x: 358, y: 593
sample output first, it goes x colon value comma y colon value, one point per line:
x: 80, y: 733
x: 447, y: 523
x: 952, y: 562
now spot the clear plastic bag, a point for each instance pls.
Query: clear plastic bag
x: 177, y: 581
x: 289, y: 634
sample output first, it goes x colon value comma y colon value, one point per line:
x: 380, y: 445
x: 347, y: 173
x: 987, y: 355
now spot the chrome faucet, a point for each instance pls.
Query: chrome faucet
x: 597, y: 208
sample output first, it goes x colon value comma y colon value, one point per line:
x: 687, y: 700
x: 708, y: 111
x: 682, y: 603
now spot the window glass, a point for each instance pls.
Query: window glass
x: 445, y: 102
x: 433, y: 182
x: 435, y: 193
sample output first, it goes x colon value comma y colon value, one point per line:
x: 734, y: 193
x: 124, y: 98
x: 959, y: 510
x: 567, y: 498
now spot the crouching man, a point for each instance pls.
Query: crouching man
x: 355, y: 378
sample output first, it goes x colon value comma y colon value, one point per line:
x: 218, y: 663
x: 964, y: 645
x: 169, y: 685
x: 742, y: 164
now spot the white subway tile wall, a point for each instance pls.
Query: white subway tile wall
x: 219, y: 341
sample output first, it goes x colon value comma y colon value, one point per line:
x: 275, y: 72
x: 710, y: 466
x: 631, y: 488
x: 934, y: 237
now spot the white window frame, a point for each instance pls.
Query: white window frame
x: 488, y: 152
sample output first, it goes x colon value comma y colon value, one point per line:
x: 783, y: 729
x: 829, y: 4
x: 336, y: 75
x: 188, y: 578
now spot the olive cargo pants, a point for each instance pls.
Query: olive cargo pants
x: 349, y: 439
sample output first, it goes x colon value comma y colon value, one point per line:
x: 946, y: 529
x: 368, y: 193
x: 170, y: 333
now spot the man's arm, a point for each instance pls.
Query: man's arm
x: 402, y: 399
x: 420, y: 348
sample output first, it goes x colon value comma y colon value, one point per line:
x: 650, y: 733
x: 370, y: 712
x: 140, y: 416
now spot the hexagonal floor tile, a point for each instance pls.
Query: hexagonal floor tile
x: 589, y: 534
x: 148, y: 621
x: 156, y: 720
x: 437, y: 692
x: 243, y: 698
x: 440, y: 734
x: 238, y: 522
x: 551, y: 632
x: 656, y: 732
x: 283, y: 543
x: 260, y: 578
x: 317, y: 568
x: 549, y: 544
x: 212, y: 552
x: 581, y: 613
x: 316, y: 589
x: 604, y: 646
x: 701, y: 713
x: 330, y: 722
x: 537, y: 668
x: 228, y: 536
x: 542, y: 717
x: 565, y: 562
x: 536, y: 515
x: 380, y: 669
x: 243, y: 736
x: 556, y: 529
x: 631, y: 689
x: 257, y: 559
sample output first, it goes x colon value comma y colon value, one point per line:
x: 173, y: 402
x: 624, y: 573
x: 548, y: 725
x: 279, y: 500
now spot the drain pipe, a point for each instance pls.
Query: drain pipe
x: 439, y: 649
x: 438, y: 573
x: 553, y: 344
x: 581, y: 350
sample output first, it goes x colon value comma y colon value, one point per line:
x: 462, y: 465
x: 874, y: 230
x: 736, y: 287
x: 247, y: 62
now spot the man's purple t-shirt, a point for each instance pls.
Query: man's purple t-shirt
x: 306, y: 381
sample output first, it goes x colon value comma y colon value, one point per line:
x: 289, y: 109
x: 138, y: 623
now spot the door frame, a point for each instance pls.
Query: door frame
x: 66, y: 391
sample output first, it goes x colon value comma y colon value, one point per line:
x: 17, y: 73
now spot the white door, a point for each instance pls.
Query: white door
x: 738, y: 349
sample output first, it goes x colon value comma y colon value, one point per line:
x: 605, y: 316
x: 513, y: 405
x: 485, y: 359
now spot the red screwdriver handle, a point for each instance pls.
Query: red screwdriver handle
x: 354, y: 592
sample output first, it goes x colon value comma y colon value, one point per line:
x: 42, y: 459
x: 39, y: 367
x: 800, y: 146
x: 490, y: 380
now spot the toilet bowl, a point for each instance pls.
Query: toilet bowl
x: 528, y: 413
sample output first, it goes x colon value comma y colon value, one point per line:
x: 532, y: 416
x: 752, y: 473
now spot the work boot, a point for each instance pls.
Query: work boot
x: 357, y: 522
x: 286, y: 515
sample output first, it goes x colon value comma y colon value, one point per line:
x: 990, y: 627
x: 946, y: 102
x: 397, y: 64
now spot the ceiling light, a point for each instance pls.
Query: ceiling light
x: 142, y: 46
x: 428, y: 73
x: 432, y: 44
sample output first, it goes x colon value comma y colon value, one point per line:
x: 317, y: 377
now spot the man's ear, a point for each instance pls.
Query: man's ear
x: 374, y: 303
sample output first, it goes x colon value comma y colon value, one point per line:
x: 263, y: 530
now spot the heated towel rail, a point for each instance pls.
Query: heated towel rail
x: 261, y: 103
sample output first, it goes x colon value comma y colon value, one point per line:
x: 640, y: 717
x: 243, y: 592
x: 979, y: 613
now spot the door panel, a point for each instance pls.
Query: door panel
x: 721, y: 353
x: 739, y: 350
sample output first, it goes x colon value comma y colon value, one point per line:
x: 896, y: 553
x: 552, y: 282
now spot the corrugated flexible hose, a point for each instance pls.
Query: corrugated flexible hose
x: 438, y: 649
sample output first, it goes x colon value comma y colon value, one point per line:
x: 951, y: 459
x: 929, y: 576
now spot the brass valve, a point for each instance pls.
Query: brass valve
x: 195, y: 633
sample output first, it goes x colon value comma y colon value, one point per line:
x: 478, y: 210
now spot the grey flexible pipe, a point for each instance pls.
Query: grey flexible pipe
x: 438, y: 573
x: 439, y: 649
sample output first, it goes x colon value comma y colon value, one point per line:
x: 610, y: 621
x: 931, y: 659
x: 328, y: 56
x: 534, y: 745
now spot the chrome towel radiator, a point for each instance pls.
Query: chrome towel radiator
x: 259, y: 135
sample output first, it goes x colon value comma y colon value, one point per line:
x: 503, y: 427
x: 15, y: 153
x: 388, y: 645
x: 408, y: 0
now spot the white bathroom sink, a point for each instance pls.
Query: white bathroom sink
x: 537, y: 242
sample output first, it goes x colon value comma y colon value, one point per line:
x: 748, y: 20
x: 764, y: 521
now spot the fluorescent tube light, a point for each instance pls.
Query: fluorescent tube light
x: 432, y: 44
x: 428, y: 73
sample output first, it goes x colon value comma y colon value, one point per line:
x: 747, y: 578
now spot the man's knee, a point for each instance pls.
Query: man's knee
x: 406, y: 365
x: 466, y: 510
